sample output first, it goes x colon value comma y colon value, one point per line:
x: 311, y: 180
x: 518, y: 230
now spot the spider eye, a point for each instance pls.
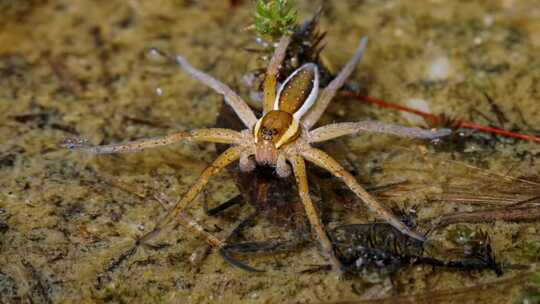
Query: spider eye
x: 268, y: 133
x: 278, y: 127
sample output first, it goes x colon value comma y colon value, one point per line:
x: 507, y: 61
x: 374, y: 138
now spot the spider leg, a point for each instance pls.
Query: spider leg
x: 270, y: 80
x: 325, y: 161
x: 186, y: 221
x: 299, y: 168
x: 239, y: 106
x: 223, y: 160
x: 194, y: 225
x: 226, y: 136
x: 122, y: 258
x: 329, y: 92
x: 332, y: 131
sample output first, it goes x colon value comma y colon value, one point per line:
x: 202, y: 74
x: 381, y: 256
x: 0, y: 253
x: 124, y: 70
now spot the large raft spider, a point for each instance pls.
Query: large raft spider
x: 281, y: 138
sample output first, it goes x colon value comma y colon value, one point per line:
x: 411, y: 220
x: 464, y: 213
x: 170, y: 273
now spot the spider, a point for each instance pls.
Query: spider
x: 282, y: 138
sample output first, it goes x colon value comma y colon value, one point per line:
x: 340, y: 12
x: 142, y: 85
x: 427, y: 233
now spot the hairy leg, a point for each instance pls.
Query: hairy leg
x: 299, y: 168
x: 239, y: 106
x: 325, y: 161
x: 118, y: 261
x: 329, y: 92
x: 270, y: 81
x: 210, y: 135
x: 349, y: 128
x: 223, y: 160
x: 188, y: 222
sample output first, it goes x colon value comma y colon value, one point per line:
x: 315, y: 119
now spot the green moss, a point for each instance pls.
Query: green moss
x: 275, y: 17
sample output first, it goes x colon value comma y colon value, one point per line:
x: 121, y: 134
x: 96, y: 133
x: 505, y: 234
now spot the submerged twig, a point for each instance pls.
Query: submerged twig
x: 487, y: 215
x: 508, y: 198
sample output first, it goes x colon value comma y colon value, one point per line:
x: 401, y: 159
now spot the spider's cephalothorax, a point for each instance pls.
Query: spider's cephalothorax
x: 281, y: 125
x: 281, y: 138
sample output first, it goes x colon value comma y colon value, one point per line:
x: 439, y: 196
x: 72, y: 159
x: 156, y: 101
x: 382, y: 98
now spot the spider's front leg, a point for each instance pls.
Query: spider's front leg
x: 216, y: 135
x: 299, y: 168
x: 223, y: 160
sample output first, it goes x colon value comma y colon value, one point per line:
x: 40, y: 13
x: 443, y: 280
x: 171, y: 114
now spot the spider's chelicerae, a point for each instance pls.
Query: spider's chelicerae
x: 281, y: 138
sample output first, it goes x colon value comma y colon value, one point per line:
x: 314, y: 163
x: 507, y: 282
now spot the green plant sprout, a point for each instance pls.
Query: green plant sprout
x: 275, y: 17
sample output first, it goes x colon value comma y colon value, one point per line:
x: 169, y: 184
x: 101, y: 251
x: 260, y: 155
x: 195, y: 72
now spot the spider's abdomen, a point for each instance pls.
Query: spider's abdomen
x: 299, y: 91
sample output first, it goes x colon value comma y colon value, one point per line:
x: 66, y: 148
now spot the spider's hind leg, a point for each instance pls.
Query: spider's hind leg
x: 236, y: 102
x: 325, y: 161
x: 270, y: 80
x: 311, y: 118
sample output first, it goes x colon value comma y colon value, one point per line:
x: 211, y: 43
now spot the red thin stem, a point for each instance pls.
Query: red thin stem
x: 438, y: 119
x: 470, y: 125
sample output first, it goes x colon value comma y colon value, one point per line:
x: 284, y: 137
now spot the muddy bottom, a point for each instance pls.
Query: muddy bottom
x: 82, y: 68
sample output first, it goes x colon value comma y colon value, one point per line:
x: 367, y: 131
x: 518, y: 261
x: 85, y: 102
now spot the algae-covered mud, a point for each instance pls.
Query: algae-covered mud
x: 83, y: 69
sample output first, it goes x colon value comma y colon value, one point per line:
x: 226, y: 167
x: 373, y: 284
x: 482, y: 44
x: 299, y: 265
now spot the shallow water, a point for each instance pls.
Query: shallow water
x: 70, y: 68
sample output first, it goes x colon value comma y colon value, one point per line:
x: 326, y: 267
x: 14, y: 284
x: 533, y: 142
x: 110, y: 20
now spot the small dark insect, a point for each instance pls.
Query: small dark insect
x: 379, y: 248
